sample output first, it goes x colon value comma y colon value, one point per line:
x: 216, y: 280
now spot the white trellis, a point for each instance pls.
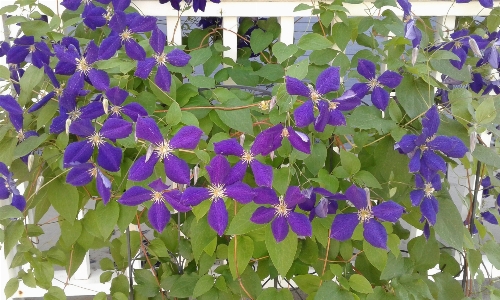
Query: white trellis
x: 86, y: 282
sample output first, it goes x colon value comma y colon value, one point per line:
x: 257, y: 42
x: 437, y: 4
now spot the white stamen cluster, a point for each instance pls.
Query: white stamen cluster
x: 75, y: 114
x: 428, y: 189
x: 373, y: 83
x: 264, y: 105
x: 457, y: 44
x: 157, y: 196
x: 281, y: 209
x: 161, y: 59
x: 126, y: 35
x: 83, y: 66
x: 365, y: 214
x: 313, y: 94
x: 20, y: 136
x: 247, y: 156
x: 31, y: 48
x: 96, y: 139
x: 93, y: 172
x: 333, y: 105
x: 163, y: 149
x: 284, y: 133
x: 217, y: 191
x: 116, y: 110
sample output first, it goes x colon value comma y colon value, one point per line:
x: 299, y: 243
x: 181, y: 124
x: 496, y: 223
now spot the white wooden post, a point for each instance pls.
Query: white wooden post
x: 230, y: 37
x: 287, y: 29
x: 174, y: 30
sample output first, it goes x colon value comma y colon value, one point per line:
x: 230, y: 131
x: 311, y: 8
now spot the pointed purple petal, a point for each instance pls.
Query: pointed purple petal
x: 360, y: 89
x: 109, y: 157
x: 268, y: 140
x: 343, y: 226
x: 433, y: 161
x: 265, y: 195
x: 42, y: 102
x: 82, y: 128
x: 228, y: 147
x: 19, y: 202
x: 134, y: 50
x: 336, y: 118
x: 366, y: 68
x: 279, y: 228
x: 135, y: 195
x: 157, y: 40
x: 116, y: 95
x: 99, y: 79
x: 375, y: 234
x: 176, y: 169
x: 194, y: 195
x: 357, y: 196
x: 237, y: 173
x: 178, y: 58
x: 294, y: 196
x: 158, y: 216
x: 91, y: 53
x: 218, y: 216
x: 323, y: 117
x: 187, y: 137
x: 10, y: 104
x: 489, y: 217
x: 116, y: 129
x: 263, y: 215
x: 299, y: 140
x: 388, y: 211
x: 80, y: 175
x: 134, y: 111
x: 103, y: 186
x: 163, y: 79
x: 450, y: 146
x: 77, y: 153
x: 262, y: 173
x: 109, y: 46
x: 143, y: 24
x: 390, y: 79
x: 380, y: 98
x: 300, y: 224
x: 328, y: 80
x: 147, y: 129
x: 430, y: 122
x: 17, y: 54
x: 144, y: 67
x: 142, y: 169
x: 304, y: 114
x: 218, y: 169
x: 241, y: 192
x: 4, y: 190
x: 416, y: 197
x: 414, y: 165
x: 173, y: 197
x: 118, y: 22
x: 406, y: 144
x: 429, y: 209
x: 296, y: 87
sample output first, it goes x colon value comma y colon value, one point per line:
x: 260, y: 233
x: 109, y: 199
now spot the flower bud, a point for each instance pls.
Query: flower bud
x: 272, y: 104
x: 68, y: 124
x: 196, y: 174
x: 105, y: 105
x: 271, y: 155
x: 242, y: 139
x: 472, y: 141
x: 321, y: 209
x: 39, y: 183
x: 149, y: 152
x: 414, y: 55
x: 31, y: 159
x: 474, y: 47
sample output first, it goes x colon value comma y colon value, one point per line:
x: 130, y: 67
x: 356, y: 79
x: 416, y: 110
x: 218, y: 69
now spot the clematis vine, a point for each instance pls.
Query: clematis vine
x: 83, y: 174
x: 281, y: 213
x: 373, y: 231
x: 460, y: 45
x: 422, y: 148
x: 109, y: 157
x: 423, y: 196
x: 160, y: 194
x: 176, y: 57
x: 162, y: 149
x: 327, y: 203
x: 223, y: 184
x: 375, y: 84
x: 8, y: 188
x: 117, y: 96
x: 270, y: 139
x: 263, y: 174
x: 330, y: 112
x: 197, y: 4
x: 26, y: 49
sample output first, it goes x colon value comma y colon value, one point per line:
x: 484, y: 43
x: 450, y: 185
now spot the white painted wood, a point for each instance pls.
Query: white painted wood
x: 83, y: 271
x: 287, y: 29
x: 174, y: 30
x: 229, y: 36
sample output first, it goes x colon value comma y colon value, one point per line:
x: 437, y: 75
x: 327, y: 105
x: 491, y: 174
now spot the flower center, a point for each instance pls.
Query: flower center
x: 93, y: 172
x: 109, y: 14
x: 82, y: 65
x: 126, y: 35
x: 281, y: 209
x: 284, y: 133
x: 313, y: 94
x: 116, y: 109
x: 75, y: 114
x: 20, y: 136
x: 157, y: 197
x: 333, y: 105
x: 32, y: 48
x: 161, y: 59
x: 373, y: 83
x: 217, y: 191
x: 247, y: 157
x: 458, y: 44
x: 87, y: 2
x: 365, y: 214
x: 428, y: 190
x: 163, y: 149
x: 264, y: 105
x: 96, y: 139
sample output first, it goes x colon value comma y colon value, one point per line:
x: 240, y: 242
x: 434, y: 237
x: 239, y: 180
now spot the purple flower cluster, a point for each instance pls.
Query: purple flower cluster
x: 197, y: 4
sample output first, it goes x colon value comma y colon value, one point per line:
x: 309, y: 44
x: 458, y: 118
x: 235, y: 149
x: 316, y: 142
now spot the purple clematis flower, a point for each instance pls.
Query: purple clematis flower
x: 161, y: 149
x: 25, y: 49
x: 413, y: 33
x: 327, y: 204
x: 109, y: 157
x: 4, y: 48
x: 263, y: 174
x: 158, y: 213
x: 197, y: 4
x: 489, y: 217
x: 423, y: 195
x: 80, y: 67
x: 380, y: 97
x: 223, y: 184
x: 329, y: 111
x: 421, y: 149
x: 486, y: 184
x: 175, y: 57
x: 8, y: 188
x: 282, y: 212
x: 15, y: 74
x: 117, y: 96
x: 270, y: 139
x: 374, y: 232
x: 83, y: 174
x: 122, y: 31
x: 75, y: 4
x: 461, y: 44
x: 10, y: 105
x: 484, y: 3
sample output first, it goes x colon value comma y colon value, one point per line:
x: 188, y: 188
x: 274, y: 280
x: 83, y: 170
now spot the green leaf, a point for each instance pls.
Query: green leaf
x: 45, y: 10
x: 486, y: 112
x: 35, y: 28
x: 28, y: 145
x: 360, y: 284
x: 106, y: 217
x: 414, y: 95
x: 445, y: 67
x: 376, y: 256
x: 271, y: 72
x: 298, y: 70
x: 5, y: 10
x: 448, y: 287
x: 487, y: 155
x: 199, y: 56
x: 174, y: 114
x: 13, y: 233
x: 241, y: 223
x: 330, y: 290
x: 204, y: 284
x: 302, y: 6
x: 201, y: 235
x: 105, y: 276
x: 314, y: 41
x: 8, y: 212
x: 308, y: 283
x: 31, y: 78
x: 316, y: 160
x: 184, y: 286
x: 283, y: 51
x: 350, y: 162
x: 4, y: 73
x: 146, y: 283
x: 365, y: 178
x: 54, y: 293
x: 443, y: 54
x: 238, y: 119
x: 202, y: 81
x: 490, y: 248
x: 274, y: 294
x: 260, y: 40
x: 64, y: 198
x: 242, y: 247
x: 368, y: 117
x: 283, y: 253
x: 449, y: 224
x: 11, y: 287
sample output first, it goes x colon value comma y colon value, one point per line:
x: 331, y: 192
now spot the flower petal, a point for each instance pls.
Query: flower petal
x: 163, y: 79
x: 328, y: 81
x: 262, y: 173
x: 304, y: 114
x: 265, y: 195
x: 173, y: 197
x: 429, y: 208
x: 144, y: 67
x: 228, y: 147
x: 178, y: 58
x: 433, y: 161
x: 279, y: 227
x: 294, y: 196
x: 237, y: 173
x: 299, y: 140
x: 109, y: 157
x: 134, y: 50
x: 366, y: 68
x: 116, y: 95
x: 80, y: 175
x: 414, y: 165
x: 241, y: 192
x: 430, y: 122
x: 109, y: 46
x: 176, y: 169
x: 416, y: 197
x: 218, y: 169
x: 147, y: 129
x: 187, y: 137
x: 451, y: 146
x: 380, y: 98
x: 157, y: 40
x: 390, y: 79
x: 103, y: 186
x: 115, y: 128
x: 134, y: 196
x: 296, y: 87
x: 406, y: 144
x: 134, y: 111
x: 19, y: 202
x: 343, y: 226
x: 194, y: 195
x: 158, y: 216
x: 323, y: 117
x: 263, y: 215
x: 336, y: 118
x: 99, y: 79
x: 375, y: 234
x: 388, y: 211
x: 142, y: 169
x: 357, y: 196
x: 300, y: 224
x: 268, y: 140
x: 143, y: 24
x: 218, y: 216
x: 77, y: 153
